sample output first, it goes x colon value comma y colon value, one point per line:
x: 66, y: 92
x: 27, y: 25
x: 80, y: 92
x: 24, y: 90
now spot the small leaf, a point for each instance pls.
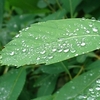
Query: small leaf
x: 84, y: 87
x: 11, y: 84
x: 52, y: 41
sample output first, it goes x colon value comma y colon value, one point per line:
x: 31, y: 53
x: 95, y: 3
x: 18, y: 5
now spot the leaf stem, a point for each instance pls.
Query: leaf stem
x: 71, y: 10
x: 58, y: 4
x: 80, y: 71
x: 46, y: 1
x: 6, y: 70
x: 67, y: 71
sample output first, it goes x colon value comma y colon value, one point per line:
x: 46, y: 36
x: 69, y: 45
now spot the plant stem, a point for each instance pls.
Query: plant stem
x: 80, y: 71
x: 67, y: 71
x: 6, y: 70
x: 46, y: 1
x: 71, y: 10
x: 58, y: 4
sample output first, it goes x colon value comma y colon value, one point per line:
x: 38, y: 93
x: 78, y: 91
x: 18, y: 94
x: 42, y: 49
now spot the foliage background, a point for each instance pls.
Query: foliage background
x: 43, y: 80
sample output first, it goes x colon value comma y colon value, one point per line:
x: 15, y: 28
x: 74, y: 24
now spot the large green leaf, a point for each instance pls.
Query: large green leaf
x: 11, y: 84
x: 52, y: 41
x: 84, y: 87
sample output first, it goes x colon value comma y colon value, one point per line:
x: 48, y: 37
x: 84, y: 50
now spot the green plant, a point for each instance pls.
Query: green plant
x: 49, y: 60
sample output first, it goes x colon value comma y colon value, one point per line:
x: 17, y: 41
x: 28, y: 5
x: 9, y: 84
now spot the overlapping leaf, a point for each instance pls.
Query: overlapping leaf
x: 84, y: 87
x: 52, y: 41
x: 11, y: 84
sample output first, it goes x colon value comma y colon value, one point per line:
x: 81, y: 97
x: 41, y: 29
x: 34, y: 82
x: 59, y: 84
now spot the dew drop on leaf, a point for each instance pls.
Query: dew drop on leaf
x: 50, y: 57
x: 54, y: 50
x: 38, y: 58
x: 42, y: 52
x: 83, y: 44
x: 12, y: 53
x: 17, y: 36
x: 97, y: 88
x: 87, y: 31
x: 98, y: 81
x: 66, y: 50
x: 24, y: 50
x: 60, y: 50
x: 95, y: 30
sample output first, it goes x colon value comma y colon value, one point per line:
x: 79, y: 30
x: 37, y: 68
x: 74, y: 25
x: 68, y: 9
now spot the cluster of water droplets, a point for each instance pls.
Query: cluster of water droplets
x: 92, y: 93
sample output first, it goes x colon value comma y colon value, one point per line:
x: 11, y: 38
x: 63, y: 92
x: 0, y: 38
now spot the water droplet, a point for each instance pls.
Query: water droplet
x: 50, y: 57
x: 76, y: 54
x: 91, y: 74
x: 38, y: 58
x: 82, y: 44
x: 91, y: 89
x: 12, y: 53
x: 24, y: 50
x: 36, y: 38
x: 95, y: 29
x: 90, y: 25
x: 0, y: 57
x: 93, y: 19
x: 42, y: 52
x: 54, y: 50
x: 17, y: 35
x: 60, y: 50
x: 66, y: 50
x: 73, y: 87
x: 90, y: 98
x: 98, y: 81
x: 72, y: 49
x: 23, y: 41
x: 87, y: 31
x: 97, y: 88
x: 83, y: 18
x: 15, y: 25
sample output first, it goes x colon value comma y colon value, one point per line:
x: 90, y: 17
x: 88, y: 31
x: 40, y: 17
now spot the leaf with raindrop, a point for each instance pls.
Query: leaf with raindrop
x: 52, y: 41
x: 11, y: 84
x: 84, y: 87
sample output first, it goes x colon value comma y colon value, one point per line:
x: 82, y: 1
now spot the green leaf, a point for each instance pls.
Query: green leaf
x: 52, y: 41
x: 70, y: 5
x: 89, y: 6
x: 43, y: 4
x: 30, y: 6
x: 44, y: 98
x: 56, y: 15
x: 93, y: 65
x: 11, y: 84
x: 84, y: 87
x: 52, y: 69
x: 18, y: 22
x: 47, y: 84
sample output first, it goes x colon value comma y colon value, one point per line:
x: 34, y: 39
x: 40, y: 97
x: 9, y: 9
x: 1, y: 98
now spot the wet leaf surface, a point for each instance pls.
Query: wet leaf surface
x: 52, y: 41
x: 84, y: 87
